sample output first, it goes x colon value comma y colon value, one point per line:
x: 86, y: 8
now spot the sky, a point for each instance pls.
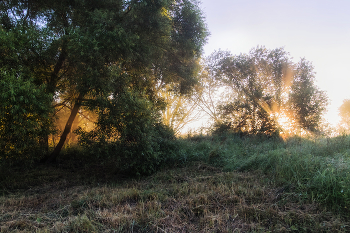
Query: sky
x: 317, y: 30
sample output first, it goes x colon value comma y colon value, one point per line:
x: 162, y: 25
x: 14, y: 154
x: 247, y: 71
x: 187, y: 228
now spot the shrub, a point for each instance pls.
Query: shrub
x: 24, y: 118
x: 130, y: 134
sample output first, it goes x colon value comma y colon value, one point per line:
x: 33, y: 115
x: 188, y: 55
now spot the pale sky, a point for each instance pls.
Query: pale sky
x: 318, y: 30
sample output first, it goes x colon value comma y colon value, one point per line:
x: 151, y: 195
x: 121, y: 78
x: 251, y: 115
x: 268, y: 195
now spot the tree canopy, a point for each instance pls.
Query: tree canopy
x: 89, y: 54
x: 263, y: 85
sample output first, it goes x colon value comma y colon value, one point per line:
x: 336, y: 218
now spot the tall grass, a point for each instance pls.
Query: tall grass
x: 318, y: 168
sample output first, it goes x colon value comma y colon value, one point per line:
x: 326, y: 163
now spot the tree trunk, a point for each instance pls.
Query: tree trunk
x: 52, y: 157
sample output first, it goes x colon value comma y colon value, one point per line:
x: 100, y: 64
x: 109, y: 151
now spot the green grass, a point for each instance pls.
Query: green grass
x: 316, y: 168
x: 211, y: 184
x: 194, y: 198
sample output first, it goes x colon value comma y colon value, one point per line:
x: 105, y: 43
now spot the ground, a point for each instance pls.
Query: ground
x: 194, y: 198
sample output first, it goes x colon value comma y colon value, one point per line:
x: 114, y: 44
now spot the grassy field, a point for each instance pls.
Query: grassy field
x: 215, y: 184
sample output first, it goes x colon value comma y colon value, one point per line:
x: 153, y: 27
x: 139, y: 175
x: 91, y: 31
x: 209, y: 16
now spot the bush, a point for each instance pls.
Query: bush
x: 129, y: 133
x: 24, y: 119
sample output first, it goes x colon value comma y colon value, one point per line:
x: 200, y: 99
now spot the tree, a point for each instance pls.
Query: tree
x: 200, y: 104
x: 257, y: 83
x: 344, y: 113
x: 180, y: 110
x: 264, y: 85
x: 86, y: 51
x: 207, y: 95
x: 306, y: 102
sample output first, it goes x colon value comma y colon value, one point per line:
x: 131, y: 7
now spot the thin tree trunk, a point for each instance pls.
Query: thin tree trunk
x: 52, y: 157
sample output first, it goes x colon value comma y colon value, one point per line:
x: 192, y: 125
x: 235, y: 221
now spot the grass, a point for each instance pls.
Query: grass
x: 317, y: 168
x: 195, y: 198
x: 215, y: 184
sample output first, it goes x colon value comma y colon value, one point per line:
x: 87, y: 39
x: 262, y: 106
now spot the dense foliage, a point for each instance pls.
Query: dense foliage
x: 24, y: 118
x: 130, y: 133
x: 93, y: 54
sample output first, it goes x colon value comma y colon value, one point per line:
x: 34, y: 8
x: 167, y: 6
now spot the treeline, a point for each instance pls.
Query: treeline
x: 131, y: 74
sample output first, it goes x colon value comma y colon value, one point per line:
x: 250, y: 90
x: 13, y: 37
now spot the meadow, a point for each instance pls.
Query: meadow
x: 222, y: 183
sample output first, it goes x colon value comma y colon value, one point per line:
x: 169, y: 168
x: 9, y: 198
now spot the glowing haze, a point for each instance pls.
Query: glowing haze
x: 318, y: 30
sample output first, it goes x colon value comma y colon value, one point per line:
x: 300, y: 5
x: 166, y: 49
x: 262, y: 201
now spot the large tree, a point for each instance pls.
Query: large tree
x: 257, y: 83
x: 265, y: 84
x: 86, y: 51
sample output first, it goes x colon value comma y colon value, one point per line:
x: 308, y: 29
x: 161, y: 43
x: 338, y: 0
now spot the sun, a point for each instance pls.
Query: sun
x: 285, y: 123
x: 289, y: 126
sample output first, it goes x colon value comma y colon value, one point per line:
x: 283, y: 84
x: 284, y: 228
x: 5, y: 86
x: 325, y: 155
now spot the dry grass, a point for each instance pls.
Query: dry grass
x: 196, y: 198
